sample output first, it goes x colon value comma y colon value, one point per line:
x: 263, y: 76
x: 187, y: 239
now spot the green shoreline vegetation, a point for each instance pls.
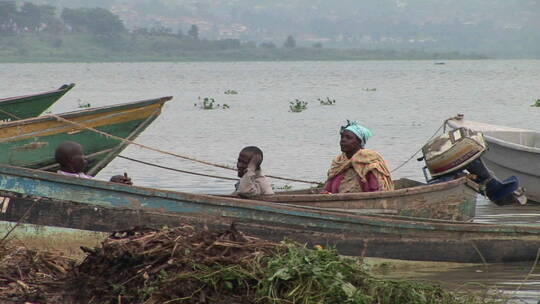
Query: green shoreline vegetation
x: 126, y: 47
x: 37, y: 33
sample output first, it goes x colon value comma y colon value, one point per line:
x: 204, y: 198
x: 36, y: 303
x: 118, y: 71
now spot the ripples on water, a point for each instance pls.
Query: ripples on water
x: 412, y: 100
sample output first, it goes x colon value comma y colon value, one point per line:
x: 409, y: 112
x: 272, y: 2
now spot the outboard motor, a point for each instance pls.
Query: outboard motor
x: 450, y: 154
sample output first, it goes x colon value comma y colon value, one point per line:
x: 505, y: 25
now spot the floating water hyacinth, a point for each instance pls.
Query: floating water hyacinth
x: 536, y: 103
x: 209, y: 103
x: 297, y: 106
x: 282, y: 188
x: 327, y: 102
x: 231, y: 92
x: 84, y: 104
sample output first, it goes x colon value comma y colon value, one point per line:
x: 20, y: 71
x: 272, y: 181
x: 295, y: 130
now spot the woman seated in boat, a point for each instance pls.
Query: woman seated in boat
x: 357, y: 169
x: 70, y: 156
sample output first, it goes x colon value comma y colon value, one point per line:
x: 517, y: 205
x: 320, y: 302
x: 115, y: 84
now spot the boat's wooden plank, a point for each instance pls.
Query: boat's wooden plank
x: 435, y: 246
x: 96, y: 192
x: 41, y: 128
x: 91, y: 191
x: 398, y: 184
x: 480, y: 126
x: 31, y: 142
x: 41, y: 211
x: 85, y: 112
x: 365, y: 195
x: 453, y: 200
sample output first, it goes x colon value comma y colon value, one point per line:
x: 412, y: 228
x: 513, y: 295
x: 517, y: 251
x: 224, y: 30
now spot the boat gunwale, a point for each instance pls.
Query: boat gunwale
x: 409, y: 191
x: 11, y: 100
x: 490, y: 138
x: 39, y: 133
x: 261, y: 206
x: 86, y: 112
x: 514, y: 146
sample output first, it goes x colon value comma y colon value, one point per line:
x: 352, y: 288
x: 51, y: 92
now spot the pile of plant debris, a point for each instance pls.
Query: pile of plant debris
x: 181, y: 265
x: 29, y: 275
x: 188, y: 265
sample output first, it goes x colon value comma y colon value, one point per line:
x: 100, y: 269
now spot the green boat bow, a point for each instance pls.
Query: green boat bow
x: 22, y: 107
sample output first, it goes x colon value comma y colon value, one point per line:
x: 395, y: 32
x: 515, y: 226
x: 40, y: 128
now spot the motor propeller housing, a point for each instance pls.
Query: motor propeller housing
x: 449, y: 155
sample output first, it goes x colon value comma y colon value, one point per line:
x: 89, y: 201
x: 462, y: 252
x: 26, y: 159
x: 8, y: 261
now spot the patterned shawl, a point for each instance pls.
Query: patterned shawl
x: 364, y: 161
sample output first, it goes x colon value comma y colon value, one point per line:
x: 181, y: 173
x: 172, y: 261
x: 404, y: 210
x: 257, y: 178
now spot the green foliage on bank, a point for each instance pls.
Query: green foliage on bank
x: 36, y: 33
x: 293, y: 274
x: 301, y: 275
x: 131, y: 47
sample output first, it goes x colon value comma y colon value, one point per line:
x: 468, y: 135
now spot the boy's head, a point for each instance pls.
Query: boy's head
x: 70, y: 157
x: 245, y: 157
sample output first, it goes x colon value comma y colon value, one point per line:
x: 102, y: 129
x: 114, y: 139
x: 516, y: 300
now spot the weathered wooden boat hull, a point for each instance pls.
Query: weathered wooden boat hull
x: 454, y: 200
x: 54, y: 200
x: 21, y: 107
x: 31, y: 142
x: 511, y: 151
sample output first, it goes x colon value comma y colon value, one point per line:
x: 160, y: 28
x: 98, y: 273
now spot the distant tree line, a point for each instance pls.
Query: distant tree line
x: 30, y: 31
x: 30, y: 18
x: 34, y: 18
x: 502, y: 27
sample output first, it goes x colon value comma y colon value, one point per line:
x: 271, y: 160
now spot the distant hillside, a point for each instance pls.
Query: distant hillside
x: 499, y: 28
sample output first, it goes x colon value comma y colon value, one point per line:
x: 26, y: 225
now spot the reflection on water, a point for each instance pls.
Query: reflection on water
x: 411, y: 100
x: 514, y: 282
x: 518, y: 282
x: 487, y: 212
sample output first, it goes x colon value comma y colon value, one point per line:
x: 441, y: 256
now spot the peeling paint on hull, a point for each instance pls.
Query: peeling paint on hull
x: 55, y: 200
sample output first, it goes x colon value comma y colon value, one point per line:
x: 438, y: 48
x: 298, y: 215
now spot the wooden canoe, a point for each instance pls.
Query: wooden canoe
x: 511, y: 151
x: 454, y: 200
x: 21, y: 107
x: 31, y: 142
x: 43, y: 198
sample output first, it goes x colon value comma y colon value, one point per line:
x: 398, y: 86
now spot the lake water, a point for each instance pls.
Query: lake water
x: 411, y: 101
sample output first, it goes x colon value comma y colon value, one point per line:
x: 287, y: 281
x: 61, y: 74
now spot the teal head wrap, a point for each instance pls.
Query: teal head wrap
x: 360, y: 131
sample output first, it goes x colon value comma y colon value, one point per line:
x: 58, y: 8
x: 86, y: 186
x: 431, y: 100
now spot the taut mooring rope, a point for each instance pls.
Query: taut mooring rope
x: 80, y: 125
x: 412, y: 156
x: 443, y: 126
x: 176, y: 170
x: 167, y: 152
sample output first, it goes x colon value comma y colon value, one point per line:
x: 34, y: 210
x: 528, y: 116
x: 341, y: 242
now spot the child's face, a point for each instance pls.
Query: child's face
x: 242, y: 162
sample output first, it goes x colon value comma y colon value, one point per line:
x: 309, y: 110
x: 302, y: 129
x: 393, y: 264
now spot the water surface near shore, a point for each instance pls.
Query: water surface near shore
x: 402, y: 102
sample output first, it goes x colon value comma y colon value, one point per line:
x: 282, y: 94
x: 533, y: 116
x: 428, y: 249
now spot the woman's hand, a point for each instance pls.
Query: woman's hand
x: 122, y: 179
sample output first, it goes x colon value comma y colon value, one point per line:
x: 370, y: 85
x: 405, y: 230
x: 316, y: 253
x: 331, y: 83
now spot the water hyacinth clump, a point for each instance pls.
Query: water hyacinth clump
x: 536, y: 103
x: 208, y: 103
x: 83, y: 104
x: 231, y: 92
x: 327, y: 101
x: 285, y: 187
x: 297, y: 106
